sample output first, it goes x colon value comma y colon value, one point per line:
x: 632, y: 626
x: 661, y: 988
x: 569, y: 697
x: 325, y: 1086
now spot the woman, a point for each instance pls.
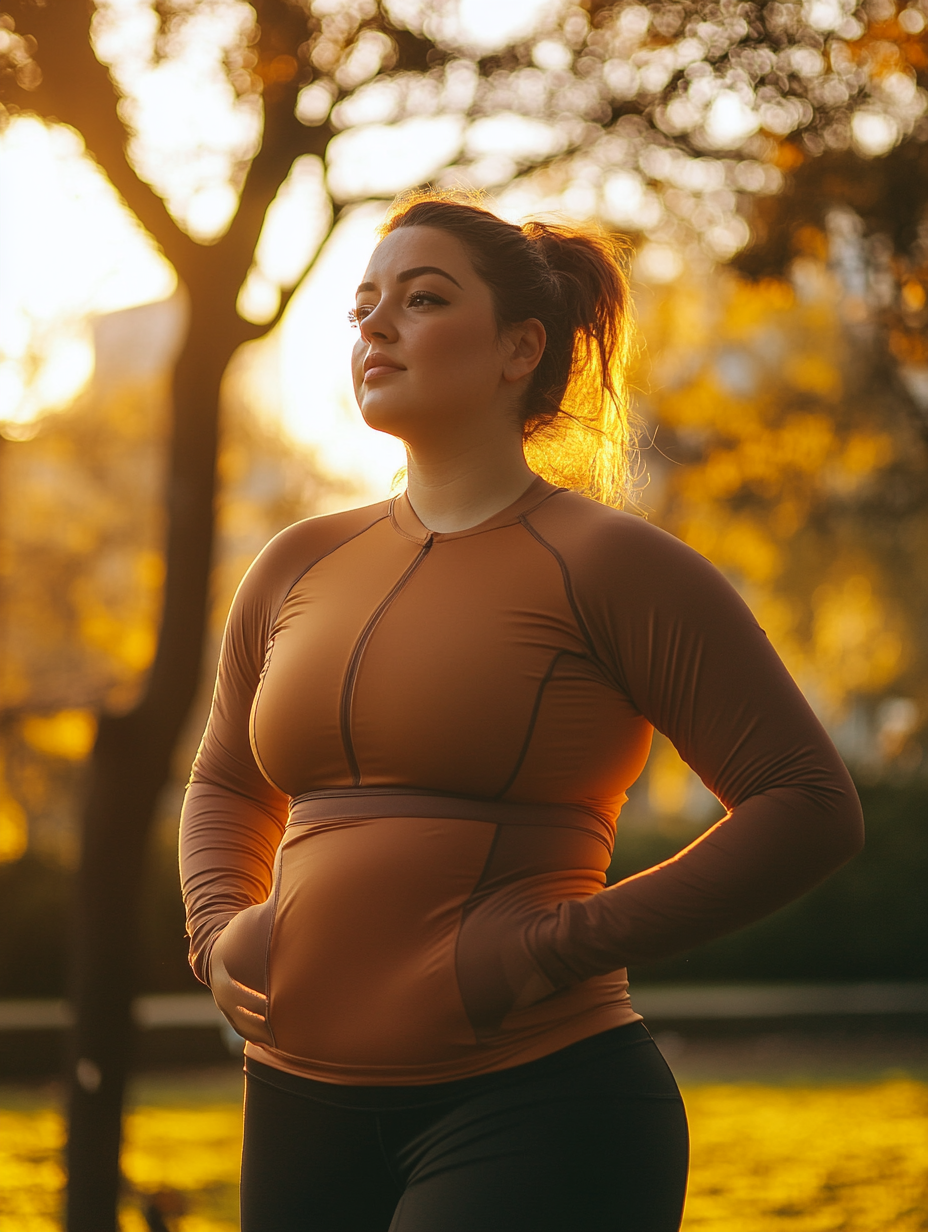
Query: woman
x: 426, y: 717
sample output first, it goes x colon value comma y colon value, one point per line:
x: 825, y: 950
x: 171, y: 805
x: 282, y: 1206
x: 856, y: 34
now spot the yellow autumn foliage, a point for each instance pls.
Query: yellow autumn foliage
x: 736, y: 543
x: 865, y: 452
x: 14, y: 829
x: 82, y: 566
x: 69, y: 733
x: 779, y: 455
x: 668, y: 780
x: 814, y: 374
x: 855, y: 636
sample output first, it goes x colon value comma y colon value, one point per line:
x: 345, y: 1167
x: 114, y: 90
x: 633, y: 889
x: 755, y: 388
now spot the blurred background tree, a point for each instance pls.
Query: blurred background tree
x: 785, y: 404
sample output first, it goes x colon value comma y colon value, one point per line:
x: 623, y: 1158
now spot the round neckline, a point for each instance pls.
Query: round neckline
x: 406, y: 521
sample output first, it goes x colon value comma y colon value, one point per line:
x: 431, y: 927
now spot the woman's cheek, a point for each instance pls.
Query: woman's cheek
x: 463, y: 354
x: 357, y: 368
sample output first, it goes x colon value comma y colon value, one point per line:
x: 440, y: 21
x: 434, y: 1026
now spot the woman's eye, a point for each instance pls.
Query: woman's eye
x: 420, y: 298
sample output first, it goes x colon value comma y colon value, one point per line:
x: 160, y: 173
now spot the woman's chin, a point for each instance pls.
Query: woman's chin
x: 390, y: 420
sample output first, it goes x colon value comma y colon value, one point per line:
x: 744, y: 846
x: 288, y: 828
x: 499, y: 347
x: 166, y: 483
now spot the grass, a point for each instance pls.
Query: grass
x: 839, y: 1157
x: 182, y: 1143
x: 819, y: 1159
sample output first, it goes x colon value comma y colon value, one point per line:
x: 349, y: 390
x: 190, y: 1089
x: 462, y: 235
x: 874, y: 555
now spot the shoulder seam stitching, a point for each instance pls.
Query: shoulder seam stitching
x: 574, y: 606
x: 568, y: 585
x: 312, y: 564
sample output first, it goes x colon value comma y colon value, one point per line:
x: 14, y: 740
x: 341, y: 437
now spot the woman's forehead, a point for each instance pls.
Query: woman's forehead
x: 410, y: 248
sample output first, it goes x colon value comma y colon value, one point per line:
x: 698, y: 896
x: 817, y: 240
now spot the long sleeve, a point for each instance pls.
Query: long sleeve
x: 232, y: 818
x: 675, y: 637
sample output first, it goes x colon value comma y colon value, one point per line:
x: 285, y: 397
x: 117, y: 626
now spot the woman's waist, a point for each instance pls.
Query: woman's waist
x: 399, y: 940
x: 432, y: 866
x: 561, y: 1059
x: 335, y: 806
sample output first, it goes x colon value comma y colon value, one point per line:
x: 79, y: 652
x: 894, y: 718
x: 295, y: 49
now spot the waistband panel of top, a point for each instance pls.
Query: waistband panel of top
x: 350, y: 804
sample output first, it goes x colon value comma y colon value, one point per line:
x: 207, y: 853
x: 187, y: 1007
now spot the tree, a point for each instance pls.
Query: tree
x: 661, y: 118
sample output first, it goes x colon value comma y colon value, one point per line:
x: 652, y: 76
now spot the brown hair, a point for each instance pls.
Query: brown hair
x: 572, y: 279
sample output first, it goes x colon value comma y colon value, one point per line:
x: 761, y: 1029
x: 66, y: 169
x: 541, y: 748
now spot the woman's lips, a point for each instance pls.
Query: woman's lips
x: 380, y: 370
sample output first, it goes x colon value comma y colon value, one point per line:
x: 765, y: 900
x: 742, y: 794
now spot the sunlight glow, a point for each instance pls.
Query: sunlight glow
x: 481, y: 25
x: 383, y: 159
x: 296, y: 223
x: 69, y: 250
x: 488, y: 24
x: 513, y: 136
x: 627, y: 202
x: 318, y: 406
x: 193, y: 134
x: 730, y: 120
x: 658, y: 263
x: 827, y: 14
x: 874, y: 133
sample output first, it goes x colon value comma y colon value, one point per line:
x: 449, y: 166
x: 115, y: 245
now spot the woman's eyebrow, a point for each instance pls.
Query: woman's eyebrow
x: 425, y: 269
x: 413, y: 273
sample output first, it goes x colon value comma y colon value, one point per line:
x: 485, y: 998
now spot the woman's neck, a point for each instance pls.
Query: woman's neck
x: 454, y: 489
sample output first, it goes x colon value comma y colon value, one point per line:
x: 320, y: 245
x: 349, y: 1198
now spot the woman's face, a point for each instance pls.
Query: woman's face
x: 430, y: 362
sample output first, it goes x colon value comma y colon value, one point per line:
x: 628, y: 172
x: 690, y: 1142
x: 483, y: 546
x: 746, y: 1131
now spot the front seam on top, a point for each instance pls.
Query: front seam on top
x: 354, y: 662
x: 533, y: 719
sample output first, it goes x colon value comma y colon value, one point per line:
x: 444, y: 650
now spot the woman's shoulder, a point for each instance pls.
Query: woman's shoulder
x: 638, y: 587
x: 588, y: 532
x: 298, y: 547
x: 614, y: 556
x: 321, y: 534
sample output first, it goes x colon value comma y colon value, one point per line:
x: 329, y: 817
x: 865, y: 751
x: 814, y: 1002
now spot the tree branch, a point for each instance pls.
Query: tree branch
x: 77, y: 89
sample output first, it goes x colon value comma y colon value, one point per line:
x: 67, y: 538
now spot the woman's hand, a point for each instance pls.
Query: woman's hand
x: 244, y: 1007
x: 496, y: 971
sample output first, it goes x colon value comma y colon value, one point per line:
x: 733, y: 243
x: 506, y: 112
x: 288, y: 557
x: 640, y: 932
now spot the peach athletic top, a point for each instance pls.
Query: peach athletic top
x: 394, y: 840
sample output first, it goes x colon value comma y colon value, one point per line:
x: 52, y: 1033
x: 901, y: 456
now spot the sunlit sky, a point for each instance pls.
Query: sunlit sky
x: 68, y: 250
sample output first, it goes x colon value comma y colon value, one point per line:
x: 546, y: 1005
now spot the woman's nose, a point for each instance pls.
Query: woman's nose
x: 377, y: 325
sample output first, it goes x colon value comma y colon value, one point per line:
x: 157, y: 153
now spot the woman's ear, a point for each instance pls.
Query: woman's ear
x: 525, y: 345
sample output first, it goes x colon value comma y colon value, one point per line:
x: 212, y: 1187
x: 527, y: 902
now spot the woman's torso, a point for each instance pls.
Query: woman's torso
x: 456, y: 754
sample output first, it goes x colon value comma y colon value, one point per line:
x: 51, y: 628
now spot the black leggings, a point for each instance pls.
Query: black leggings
x: 590, y: 1138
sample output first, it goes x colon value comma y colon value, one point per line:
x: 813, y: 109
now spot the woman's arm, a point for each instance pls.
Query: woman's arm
x: 680, y: 642
x: 232, y: 818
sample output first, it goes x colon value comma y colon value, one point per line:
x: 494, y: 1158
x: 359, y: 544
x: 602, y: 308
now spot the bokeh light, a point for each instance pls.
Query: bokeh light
x: 69, y: 251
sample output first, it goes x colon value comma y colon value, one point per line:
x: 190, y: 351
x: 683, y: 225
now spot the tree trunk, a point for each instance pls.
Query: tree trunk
x: 131, y: 763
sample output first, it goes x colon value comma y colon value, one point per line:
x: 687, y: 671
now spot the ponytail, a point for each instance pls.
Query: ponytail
x: 575, y: 421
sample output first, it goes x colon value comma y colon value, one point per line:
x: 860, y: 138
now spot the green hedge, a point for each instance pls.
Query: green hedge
x: 35, y: 900
x: 868, y: 922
